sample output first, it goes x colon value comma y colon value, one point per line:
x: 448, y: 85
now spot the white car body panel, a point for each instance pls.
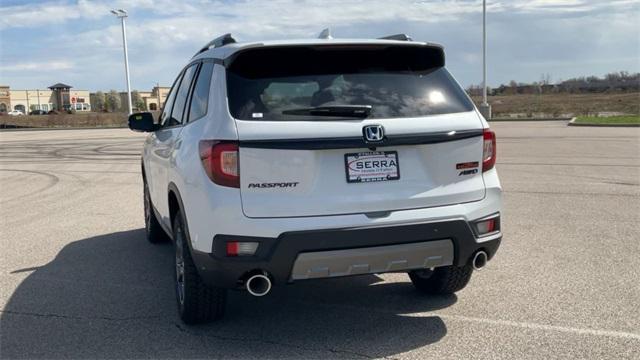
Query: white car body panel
x: 171, y: 157
x: 428, y: 174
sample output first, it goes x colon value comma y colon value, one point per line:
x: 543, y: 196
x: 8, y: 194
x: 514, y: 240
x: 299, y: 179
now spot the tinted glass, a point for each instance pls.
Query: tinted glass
x: 200, y: 97
x: 181, y: 96
x: 168, y: 103
x: 395, y: 81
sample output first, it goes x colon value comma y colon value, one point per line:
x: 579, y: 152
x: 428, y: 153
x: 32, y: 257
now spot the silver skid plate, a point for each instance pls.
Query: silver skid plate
x: 371, y: 260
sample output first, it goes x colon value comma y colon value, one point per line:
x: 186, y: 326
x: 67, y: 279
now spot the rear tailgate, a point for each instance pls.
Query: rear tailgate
x: 301, y: 169
x: 352, y: 128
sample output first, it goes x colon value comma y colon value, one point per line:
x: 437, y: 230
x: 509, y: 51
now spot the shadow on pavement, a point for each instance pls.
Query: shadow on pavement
x: 111, y: 296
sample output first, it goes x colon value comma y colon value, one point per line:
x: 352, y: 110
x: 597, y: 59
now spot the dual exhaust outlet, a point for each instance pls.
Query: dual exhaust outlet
x: 259, y: 283
x: 479, y: 260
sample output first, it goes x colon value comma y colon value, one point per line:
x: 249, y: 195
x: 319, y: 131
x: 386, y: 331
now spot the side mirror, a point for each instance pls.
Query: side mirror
x: 142, y: 122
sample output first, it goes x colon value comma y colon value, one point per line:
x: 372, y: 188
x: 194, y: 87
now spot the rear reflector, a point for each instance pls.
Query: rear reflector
x: 488, y: 150
x: 237, y: 248
x: 220, y: 162
x: 488, y: 226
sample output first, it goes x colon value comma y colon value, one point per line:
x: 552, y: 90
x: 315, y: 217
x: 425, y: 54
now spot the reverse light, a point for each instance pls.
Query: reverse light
x: 220, y: 162
x: 488, y: 150
x: 239, y: 248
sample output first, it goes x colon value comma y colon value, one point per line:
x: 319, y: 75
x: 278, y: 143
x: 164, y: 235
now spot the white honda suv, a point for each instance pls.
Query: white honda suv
x: 281, y: 161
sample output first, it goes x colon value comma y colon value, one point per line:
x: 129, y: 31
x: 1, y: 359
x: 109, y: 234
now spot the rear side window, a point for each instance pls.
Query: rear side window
x: 182, y: 94
x: 395, y: 81
x: 200, y: 97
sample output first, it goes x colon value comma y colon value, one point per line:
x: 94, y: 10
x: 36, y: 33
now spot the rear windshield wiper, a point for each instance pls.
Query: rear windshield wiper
x: 357, y: 111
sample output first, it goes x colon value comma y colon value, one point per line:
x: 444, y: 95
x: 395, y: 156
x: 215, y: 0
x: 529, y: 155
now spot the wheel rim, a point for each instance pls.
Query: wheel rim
x: 179, y: 267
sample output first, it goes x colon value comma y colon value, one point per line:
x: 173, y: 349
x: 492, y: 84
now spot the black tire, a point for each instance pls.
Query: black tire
x: 153, y: 231
x: 442, y: 280
x: 197, y: 302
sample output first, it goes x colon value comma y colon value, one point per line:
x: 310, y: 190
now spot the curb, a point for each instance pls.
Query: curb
x: 574, y: 123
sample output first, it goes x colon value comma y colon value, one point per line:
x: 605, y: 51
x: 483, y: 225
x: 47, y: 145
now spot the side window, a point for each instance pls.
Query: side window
x: 168, y: 102
x: 181, y: 96
x: 200, y: 97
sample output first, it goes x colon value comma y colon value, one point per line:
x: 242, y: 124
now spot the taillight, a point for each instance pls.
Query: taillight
x: 488, y: 150
x: 220, y: 162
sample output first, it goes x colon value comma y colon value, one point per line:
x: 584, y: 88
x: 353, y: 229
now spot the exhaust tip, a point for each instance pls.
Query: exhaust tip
x: 479, y: 260
x: 258, y: 285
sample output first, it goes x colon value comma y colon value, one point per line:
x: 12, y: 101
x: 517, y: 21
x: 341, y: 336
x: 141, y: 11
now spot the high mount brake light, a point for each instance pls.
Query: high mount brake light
x: 488, y: 150
x: 220, y: 162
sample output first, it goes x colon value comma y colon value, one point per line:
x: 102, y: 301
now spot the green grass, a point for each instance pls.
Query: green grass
x: 626, y: 119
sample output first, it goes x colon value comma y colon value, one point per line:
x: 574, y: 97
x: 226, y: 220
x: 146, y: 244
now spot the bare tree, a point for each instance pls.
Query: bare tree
x: 112, y: 101
x: 136, y: 100
x: 98, y: 101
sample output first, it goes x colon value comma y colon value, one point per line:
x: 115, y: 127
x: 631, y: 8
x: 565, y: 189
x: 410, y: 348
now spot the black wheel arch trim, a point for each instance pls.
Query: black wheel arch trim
x: 172, y: 188
x: 156, y: 213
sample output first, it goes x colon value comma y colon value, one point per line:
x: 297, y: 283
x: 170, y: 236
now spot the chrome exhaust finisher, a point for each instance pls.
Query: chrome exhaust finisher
x: 479, y: 260
x: 258, y: 284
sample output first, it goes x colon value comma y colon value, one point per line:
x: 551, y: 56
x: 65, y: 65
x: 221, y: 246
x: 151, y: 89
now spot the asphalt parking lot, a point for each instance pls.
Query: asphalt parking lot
x: 80, y: 281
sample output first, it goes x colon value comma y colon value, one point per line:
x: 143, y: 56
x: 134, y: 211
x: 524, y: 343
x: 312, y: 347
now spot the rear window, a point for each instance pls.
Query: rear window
x: 395, y: 81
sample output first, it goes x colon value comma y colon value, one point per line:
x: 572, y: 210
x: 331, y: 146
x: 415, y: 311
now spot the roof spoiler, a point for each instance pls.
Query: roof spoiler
x: 397, y: 37
x: 217, y: 42
x: 325, y: 34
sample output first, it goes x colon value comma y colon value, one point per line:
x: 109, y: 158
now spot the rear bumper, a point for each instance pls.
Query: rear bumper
x: 323, y: 253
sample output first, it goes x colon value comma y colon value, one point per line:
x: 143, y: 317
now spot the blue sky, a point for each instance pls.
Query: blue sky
x: 79, y: 42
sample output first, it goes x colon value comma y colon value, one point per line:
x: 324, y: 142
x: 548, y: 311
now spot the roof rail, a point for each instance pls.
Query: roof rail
x: 217, y: 42
x: 398, y: 37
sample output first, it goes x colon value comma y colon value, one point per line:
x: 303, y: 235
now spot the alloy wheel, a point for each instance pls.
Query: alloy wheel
x: 179, y: 266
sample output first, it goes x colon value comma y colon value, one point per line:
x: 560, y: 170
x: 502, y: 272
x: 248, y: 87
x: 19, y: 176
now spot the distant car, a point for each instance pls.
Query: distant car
x: 38, y: 112
x: 15, y: 113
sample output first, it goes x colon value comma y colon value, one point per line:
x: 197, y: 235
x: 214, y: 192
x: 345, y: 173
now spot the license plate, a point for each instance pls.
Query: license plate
x: 372, y: 166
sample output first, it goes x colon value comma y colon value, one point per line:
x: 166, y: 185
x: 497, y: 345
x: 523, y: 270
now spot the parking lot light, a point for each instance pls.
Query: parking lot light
x: 122, y: 14
x: 485, y: 108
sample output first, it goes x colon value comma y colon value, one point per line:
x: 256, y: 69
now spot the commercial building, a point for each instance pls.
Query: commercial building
x: 153, y: 100
x: 157, y: 97
x: 5, y: 99
x: 58, y: 97
x: 62, y: 97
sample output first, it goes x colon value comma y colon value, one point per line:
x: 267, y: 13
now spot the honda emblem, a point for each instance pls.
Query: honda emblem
x: 373, y: 133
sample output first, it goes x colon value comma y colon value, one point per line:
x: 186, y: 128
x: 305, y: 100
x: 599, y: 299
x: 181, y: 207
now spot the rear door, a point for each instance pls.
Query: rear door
x: 164, y: 140
x: 352, y: 130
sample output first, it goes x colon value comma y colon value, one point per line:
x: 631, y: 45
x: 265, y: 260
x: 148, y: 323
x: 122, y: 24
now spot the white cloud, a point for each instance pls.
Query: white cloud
x: 566, y: 6
x: 48, y: 13
x: 163, y: 34
x: 276, y: 15
x: 38, y: 66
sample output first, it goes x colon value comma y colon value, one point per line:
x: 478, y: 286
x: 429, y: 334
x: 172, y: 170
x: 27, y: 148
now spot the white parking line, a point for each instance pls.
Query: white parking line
x: 527, y: 325
x: 524, y: 325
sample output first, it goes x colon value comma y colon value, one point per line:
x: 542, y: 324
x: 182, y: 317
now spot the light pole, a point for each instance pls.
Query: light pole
x: 485, y: 108
x: 122, y: 14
